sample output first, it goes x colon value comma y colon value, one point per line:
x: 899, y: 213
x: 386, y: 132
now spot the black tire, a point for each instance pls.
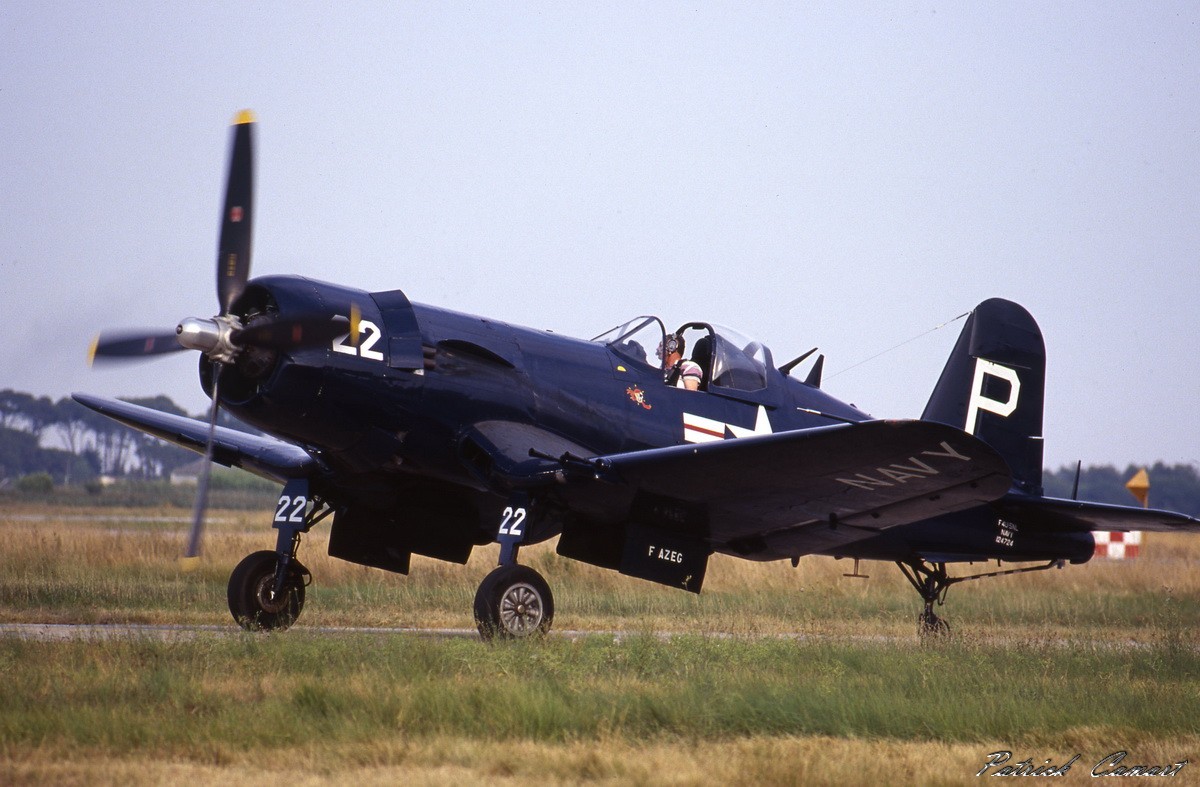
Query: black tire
x: 931, y: 627
x: 513, y: 602
x: 251, y: 586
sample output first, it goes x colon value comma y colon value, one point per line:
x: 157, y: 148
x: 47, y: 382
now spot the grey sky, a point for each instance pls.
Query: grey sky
x: 834, y: 175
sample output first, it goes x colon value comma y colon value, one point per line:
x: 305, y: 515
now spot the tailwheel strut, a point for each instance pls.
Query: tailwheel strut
x: 932, y: 582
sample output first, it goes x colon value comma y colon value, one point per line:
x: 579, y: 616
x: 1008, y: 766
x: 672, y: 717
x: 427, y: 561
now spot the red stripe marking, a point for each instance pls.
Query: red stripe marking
x: 702, y: 430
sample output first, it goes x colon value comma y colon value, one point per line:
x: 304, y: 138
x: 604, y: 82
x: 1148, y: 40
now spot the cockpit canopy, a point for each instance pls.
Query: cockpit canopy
x: 728, y: 359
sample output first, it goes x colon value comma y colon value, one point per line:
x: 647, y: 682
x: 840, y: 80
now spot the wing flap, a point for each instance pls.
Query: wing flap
x: 263, y: 456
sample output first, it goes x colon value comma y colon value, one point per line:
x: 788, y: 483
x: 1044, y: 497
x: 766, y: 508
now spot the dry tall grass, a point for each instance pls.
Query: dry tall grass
x: 67, y: 564
x: 455, y: 762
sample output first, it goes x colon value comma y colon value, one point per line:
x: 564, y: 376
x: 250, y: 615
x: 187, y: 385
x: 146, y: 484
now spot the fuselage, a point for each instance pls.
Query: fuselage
x: 421, y: 375
x: 429, y: 401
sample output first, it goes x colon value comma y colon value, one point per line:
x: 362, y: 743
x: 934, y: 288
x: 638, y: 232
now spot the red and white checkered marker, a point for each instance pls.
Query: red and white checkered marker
x: 1117, y: 545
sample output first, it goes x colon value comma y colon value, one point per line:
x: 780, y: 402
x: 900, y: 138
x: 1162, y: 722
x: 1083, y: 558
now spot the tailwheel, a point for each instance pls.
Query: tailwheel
x: 929, y: 625
x: 513, y: 602
x: 253, y: 599
x: 932, y: 582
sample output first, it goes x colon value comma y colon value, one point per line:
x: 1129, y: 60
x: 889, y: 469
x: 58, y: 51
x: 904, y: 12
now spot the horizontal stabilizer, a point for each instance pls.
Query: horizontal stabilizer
x: 1077, y: 515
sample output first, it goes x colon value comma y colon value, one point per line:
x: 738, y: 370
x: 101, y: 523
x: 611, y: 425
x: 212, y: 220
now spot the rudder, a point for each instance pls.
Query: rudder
x: 993, y: 386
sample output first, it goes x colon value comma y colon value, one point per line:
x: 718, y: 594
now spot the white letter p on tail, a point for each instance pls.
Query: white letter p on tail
x: 978, y: 401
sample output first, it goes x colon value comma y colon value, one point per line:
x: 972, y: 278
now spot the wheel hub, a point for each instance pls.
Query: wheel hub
x: 520, y: 609
x: 267, y: 599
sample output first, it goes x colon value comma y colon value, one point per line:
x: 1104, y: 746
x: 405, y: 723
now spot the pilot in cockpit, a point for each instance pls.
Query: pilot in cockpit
x: 677, y: 370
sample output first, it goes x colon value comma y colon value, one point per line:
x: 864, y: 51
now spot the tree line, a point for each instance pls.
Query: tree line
x: 1172, y: 487
x: 74, y: 445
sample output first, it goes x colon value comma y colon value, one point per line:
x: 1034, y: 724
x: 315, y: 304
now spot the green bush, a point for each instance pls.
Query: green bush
x: 35, y: 484
x: 229, y: 478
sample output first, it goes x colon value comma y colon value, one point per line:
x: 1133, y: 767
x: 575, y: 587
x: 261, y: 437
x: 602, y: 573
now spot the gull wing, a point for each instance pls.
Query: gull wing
x: 264, y: 456
x: 797, y: 492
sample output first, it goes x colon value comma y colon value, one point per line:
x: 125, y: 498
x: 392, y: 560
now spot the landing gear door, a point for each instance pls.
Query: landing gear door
x: 672, y: 559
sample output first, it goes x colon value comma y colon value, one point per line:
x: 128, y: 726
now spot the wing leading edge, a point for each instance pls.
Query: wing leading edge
x: 263, y: 456
x: 793, y: 493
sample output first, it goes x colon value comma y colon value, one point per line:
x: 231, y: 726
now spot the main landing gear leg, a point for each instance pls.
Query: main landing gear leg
x: 266, y: 590
x: 513, y: 601
x: 932, y: 582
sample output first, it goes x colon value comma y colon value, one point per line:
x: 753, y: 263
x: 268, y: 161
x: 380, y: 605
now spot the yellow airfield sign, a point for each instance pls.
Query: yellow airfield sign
x: 1139, y: 487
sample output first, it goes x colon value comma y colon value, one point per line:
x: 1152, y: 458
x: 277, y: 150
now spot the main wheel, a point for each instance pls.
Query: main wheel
x: 252, y: 598
x: 513, y: 602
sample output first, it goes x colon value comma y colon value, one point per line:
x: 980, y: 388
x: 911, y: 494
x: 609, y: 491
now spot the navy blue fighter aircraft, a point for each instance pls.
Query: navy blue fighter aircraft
x: 425, y: 431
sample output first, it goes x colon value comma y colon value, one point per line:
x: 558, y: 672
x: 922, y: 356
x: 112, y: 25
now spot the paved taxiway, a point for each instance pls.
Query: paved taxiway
x: 48, y: 632
x: 68, y: 632
x: 74, y: 632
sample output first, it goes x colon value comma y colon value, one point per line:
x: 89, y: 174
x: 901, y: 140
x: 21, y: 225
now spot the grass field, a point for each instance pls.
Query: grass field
x: 773, y: 675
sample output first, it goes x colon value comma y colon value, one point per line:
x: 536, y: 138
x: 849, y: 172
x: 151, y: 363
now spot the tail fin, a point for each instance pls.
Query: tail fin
x: 993, y: 387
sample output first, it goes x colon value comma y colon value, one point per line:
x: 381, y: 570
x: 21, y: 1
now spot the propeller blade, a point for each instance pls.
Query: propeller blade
x: 131, y: 345
x: 191, y: 555
x: 233, y: 250
x: 309, y: 330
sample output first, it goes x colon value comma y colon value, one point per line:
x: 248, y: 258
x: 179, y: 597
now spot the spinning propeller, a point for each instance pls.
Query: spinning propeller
x: 224, y: 338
